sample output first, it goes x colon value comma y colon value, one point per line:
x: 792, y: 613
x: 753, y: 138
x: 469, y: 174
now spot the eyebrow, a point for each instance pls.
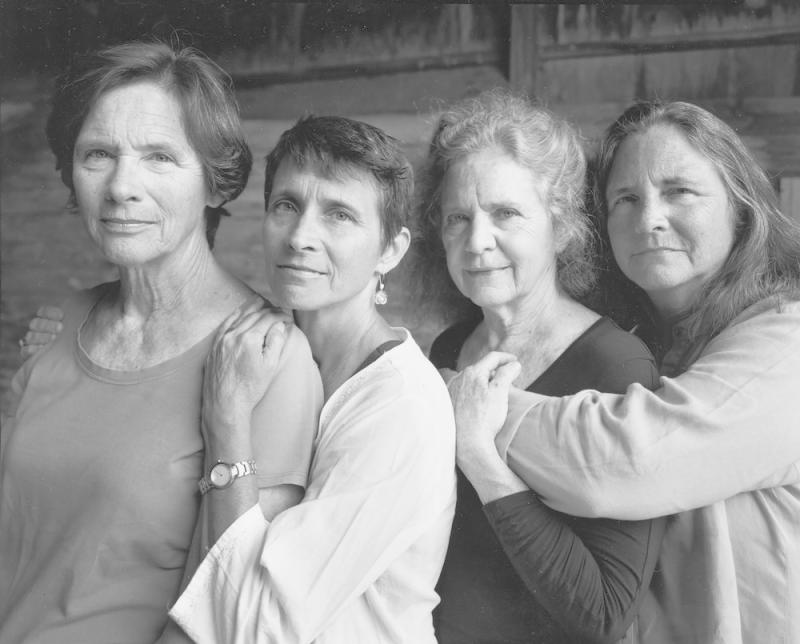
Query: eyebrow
x: 668, y: 181
x: 102, y: 139
x: 295, y: 195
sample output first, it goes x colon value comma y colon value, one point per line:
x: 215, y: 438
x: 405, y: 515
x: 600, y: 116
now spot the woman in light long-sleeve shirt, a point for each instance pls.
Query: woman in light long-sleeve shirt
x: 693, y: 223
x: 358, y: 558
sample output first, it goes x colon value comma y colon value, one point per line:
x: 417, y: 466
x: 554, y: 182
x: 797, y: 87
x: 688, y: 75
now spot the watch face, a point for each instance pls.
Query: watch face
x: 220, y: 475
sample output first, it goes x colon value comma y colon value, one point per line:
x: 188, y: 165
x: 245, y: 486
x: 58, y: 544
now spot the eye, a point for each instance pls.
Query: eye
x: 283, y: 207
x: 506, y: 213
x: 161, y: 157
x: 454, y: 219
x: 625, y: 198
x: 680, y: 191
x: 97, y: 154
x: 341, y: 215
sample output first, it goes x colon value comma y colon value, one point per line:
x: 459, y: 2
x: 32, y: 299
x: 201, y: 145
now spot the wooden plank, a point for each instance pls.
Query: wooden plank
x: 688, y: 42
x: 302, y: 74
x: 524, y: 57
x: 770, y: 127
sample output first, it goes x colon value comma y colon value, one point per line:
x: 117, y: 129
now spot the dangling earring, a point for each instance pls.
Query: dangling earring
x: 380, y: 295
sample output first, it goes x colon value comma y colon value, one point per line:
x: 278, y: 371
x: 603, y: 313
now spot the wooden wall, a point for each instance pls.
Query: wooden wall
x: 741, y: 61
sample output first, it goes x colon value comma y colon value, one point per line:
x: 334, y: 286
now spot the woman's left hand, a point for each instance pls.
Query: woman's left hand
x: 240, y: 367
x: 480, y: 404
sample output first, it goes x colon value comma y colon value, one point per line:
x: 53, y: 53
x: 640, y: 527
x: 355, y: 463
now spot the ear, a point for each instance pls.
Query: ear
x: 395, y: 251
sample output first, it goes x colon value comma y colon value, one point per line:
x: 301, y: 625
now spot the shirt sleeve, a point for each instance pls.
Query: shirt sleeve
x: 725, y: 426
x: 588, y: 573
x: 381, y: 472
x: 284, y: 423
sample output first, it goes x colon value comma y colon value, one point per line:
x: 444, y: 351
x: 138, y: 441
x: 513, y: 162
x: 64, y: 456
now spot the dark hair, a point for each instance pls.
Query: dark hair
x: 337, y: 145
x: 548, y: 146
x: 204, y: 91
x: 765, y: 258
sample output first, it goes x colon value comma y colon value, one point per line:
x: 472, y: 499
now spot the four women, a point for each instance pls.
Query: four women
x: 691, y: 221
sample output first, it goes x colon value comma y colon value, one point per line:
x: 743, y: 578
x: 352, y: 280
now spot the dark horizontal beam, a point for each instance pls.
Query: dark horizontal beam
x: 366, y: 68
x: 671, y: 44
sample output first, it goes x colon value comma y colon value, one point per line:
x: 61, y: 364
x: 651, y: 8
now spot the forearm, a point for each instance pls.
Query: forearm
x: 228, y: 504
x: 488, y: 474
x: 589, y: 574
x: 646, y: 455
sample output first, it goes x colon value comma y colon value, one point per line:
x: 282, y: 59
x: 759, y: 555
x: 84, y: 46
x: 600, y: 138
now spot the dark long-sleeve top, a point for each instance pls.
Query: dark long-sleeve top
x: 518, y: 571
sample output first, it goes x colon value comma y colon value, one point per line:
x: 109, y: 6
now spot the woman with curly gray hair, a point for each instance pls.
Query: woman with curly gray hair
x: 509, y: 248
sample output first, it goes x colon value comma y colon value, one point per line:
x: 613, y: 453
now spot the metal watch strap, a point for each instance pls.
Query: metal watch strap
x: 238, y: 470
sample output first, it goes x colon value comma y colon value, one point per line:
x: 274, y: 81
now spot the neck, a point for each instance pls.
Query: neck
x: 537, y: 315
x: 671, y: 305
x: 536, y: 333
x: 341, y: 340
x: 170, y: 287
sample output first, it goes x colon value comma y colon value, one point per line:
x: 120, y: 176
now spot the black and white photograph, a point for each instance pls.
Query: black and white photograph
x: 387, y: 322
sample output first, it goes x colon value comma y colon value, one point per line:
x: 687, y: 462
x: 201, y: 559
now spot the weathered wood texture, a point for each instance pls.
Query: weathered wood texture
x: 590, y: 62
x: 592, y: 54
x: 769, y: 125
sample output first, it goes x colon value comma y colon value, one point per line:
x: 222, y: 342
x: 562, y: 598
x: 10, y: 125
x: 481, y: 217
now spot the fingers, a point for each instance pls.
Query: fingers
x: 46, y: 326
x: 491, y: 362
x: 506, y: 374
x: 274, y: 341
x: 50, y: 312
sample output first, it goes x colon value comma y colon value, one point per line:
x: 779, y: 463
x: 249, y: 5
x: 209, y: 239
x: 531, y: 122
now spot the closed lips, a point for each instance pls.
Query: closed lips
x: 657, y: 249
x: 486, y: 269
x: 303, y: 269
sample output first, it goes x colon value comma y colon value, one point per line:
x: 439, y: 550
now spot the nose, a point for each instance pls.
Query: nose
x: 124, y: 182
x: 651, y: 215
x: 304, y: 234
x: 481, y: 236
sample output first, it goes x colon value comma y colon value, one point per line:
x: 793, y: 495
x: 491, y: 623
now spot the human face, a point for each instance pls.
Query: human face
x: 496, y: 231
x: 138, y: 181
x: 322, y: 238
x: 670, y: 221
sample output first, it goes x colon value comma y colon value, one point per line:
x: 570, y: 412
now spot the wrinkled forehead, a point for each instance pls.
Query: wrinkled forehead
x: 332, y: 170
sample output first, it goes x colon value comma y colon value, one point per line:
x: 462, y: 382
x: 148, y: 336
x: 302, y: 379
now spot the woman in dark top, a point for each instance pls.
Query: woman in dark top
x: 507, y: 247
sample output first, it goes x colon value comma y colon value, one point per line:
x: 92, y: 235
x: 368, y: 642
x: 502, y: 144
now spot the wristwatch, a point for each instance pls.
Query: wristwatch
x: 223, y: 475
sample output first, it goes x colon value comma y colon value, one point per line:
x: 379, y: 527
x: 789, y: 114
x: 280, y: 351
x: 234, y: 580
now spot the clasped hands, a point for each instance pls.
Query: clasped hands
x: 480, y: 404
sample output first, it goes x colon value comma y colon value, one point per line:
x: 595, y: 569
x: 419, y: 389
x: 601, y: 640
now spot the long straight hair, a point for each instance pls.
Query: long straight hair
x: 765, y: 258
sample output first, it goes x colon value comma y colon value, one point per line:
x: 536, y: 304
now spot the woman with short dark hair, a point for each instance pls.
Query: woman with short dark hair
x: 102, y: 451
x: 358, y: 558
x: 694, y: 225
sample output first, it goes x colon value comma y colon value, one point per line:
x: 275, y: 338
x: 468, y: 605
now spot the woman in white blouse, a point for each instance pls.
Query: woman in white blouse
x: 357, y: 560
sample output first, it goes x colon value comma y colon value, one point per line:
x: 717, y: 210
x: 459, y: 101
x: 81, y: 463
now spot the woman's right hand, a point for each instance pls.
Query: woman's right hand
x: 43, y: 329
x: 239, y: 369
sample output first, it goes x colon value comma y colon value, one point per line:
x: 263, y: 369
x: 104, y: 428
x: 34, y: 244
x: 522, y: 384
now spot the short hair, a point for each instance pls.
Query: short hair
x: 538, y: 140
x: 336, y: 146
x: 764, y: 259
x: 204, y: 91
